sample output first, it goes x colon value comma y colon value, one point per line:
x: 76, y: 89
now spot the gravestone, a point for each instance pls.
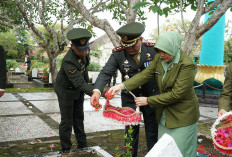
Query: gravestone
x: 50, y: 78
x: 17, y: 69
x: 165, y: 147
x: 34, y: 72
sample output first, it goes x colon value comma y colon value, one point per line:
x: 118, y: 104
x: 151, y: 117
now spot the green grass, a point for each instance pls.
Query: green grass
x: 21, y: 90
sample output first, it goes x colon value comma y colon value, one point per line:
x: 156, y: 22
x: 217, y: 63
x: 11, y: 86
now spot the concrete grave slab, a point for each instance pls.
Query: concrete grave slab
x: 8, y: 97
x: 209, y: 112
x: 48, y: 106
x: 25, y: 127
x: 39, y: 96
x: 13, y: 108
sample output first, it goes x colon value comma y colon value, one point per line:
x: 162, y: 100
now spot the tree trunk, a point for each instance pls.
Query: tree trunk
x: 189, y: 43
x: 53, y: 68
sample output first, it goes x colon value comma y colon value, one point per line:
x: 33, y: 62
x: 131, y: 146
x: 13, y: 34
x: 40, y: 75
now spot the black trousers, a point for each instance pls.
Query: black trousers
x: 72, y: 115
x: 151, y: 129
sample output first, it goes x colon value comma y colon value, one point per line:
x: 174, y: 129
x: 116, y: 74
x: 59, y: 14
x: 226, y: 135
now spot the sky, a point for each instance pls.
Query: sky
x: 151, y: 22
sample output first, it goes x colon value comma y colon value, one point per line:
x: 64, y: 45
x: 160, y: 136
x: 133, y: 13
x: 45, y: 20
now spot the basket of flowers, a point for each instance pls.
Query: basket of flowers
x: 125, y: 115
x: 221, y: 132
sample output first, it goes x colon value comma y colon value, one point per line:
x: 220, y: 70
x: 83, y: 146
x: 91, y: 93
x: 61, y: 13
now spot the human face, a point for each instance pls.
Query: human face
x: 165, y: 56
x: 81, y: 54
x: 135, y: 48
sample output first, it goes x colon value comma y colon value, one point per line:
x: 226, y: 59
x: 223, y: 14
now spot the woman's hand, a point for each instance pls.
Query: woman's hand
x: 116, y: 89
x: 141, y: 101
x: 221, y: 112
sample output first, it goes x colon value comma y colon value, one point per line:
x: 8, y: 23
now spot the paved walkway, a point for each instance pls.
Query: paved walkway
x: 36, y: 115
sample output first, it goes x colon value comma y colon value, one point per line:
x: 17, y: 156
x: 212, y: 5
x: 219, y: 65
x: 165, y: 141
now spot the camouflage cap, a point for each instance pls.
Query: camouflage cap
x: 130, y: 33
x: 80, y: 38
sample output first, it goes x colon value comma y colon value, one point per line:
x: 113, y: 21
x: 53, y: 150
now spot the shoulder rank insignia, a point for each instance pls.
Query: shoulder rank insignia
x: 150, y: 44
x: 72, y: 71
x: 116, y: 49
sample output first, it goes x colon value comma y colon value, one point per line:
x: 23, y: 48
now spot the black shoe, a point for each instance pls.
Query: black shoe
x: 64, y: 151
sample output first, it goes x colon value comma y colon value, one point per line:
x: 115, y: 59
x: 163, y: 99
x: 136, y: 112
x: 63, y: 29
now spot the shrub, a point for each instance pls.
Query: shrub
x: 94, y: 67
x: 59, y: 60
x: 11, y: 64
x: 45, y: 77
x: 36, y: 64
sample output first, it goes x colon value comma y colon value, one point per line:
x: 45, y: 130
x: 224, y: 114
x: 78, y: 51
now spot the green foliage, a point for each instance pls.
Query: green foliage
x: 59, y: 60
x: 228, y: 50
x: 96, y: 53
x: 11, y: 64
x: 94, y: 67
x: 171, y: 6
x: 9, y: 14
x: 45, y: 77
x: 37, y: 65
x: 128, y: 138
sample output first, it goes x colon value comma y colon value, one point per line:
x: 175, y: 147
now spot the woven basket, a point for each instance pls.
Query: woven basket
x: 222, y: 149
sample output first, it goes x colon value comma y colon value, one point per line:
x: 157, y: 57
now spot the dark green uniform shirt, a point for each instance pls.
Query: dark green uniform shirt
x: 127, y: 66
x: 72, y: 79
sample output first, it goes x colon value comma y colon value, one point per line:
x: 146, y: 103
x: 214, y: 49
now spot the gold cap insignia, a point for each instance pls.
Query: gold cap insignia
x: 83, y: 41
x: 124, y: 38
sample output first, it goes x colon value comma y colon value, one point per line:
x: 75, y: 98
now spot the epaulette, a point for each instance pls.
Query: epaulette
x: 150, y: 44
x: 116, y: 49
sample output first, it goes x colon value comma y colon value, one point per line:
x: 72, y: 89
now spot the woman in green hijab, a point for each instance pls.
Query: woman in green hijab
x: 177, y: 107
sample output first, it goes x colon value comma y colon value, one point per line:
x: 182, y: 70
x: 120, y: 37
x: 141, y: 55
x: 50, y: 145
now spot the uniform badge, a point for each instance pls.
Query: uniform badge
x: 83, y: 41
x: 72, y: 71
x: 146, y: 64
x: 79, y: 60
x: 148, y: 57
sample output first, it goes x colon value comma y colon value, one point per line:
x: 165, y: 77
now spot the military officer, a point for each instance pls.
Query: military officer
x: 71, y: 85
x: 130, y: 58
x: 2, y: 71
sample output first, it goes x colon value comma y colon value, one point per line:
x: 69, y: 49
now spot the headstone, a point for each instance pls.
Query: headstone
x: 165, y: 147
x: 17, y: 69
x: 50, y: 78
x: 94, y: 77
x: 34, y: 72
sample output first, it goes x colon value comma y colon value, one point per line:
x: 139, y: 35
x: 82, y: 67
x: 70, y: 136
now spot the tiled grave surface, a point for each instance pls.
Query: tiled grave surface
x: 49, y: 106
x: 39, y: 96
x: 208, y: 112
x: 15, y: 126
x: 8, y: 97
x: 13, y: 108
x: 24, y: 127
x: 94, y: 121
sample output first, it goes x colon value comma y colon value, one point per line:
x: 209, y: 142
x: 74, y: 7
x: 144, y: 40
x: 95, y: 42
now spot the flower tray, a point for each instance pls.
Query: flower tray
x: 222, y: 136
x: 125, y: 115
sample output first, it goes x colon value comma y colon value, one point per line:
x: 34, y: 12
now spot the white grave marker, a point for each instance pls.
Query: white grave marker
x: 50, y: 78
x: 165, y: 147
x: 34, y: 72
x: 17, y: 69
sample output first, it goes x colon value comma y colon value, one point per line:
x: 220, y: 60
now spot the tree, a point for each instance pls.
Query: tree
x: 122, y: 11
x: 49, y: 13
x: 216, y: 8
x: 9, y: 16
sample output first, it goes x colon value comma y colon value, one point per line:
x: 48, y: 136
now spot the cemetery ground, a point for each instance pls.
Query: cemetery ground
x: 108, y: 140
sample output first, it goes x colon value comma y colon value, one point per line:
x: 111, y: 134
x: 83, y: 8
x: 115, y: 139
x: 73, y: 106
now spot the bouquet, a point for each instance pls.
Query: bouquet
x: 221, y: 133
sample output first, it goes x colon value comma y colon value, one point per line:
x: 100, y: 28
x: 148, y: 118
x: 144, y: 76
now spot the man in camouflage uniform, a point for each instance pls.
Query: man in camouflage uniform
x: 71, y: 85
x: 130, y: 58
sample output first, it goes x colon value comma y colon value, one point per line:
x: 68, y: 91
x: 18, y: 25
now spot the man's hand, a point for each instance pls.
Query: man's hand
x: 141, y: 101
x: 1, y: 93
x: 95, y: 97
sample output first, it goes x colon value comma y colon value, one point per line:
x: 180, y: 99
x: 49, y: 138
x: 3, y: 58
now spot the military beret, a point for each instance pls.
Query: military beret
x: 80, y: 38
x: 130, y: 33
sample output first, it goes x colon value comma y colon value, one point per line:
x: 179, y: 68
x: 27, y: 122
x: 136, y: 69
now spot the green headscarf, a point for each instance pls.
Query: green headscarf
x: 169, y: 42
